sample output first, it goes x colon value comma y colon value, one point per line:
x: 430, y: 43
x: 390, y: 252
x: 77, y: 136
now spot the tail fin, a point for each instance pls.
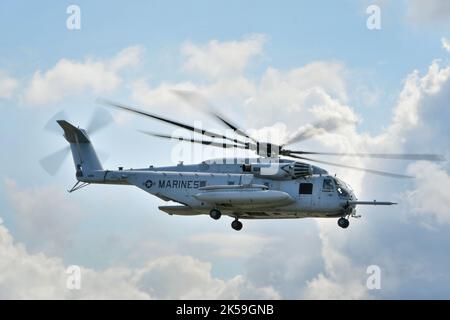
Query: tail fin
x: 84, y: 156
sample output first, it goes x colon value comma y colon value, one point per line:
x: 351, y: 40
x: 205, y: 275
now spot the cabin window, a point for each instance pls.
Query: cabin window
x: 246, y: 168
x: 230, y: 183
x: 306, y: 188
x: 327, y: 185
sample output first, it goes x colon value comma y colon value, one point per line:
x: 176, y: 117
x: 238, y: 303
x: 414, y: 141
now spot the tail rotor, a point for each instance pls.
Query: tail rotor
x: 51, y: 163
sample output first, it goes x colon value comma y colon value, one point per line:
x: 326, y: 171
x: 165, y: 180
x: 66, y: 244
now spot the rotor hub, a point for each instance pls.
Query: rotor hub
x: 268, y: 150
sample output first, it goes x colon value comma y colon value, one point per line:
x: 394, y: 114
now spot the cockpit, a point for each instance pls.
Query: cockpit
x: 343, y: 190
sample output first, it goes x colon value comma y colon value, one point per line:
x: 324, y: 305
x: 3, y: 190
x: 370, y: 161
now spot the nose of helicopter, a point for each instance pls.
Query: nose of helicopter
x: 352, y: 194
x: 351, y: 197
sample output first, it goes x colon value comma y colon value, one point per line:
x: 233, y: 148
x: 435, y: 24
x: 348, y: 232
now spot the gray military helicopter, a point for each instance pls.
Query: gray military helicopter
x: 269, y: 186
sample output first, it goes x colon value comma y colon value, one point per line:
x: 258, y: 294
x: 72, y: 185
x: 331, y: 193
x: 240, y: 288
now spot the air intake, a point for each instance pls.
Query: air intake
x: 299, y: 170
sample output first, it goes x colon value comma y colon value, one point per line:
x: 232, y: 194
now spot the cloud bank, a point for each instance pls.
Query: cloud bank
x: 70, y: 77
x: 37, y: 276
x: 7, y: 85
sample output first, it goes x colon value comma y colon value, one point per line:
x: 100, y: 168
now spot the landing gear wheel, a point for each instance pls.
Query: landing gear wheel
x: 215, y: 214
x: 343, y: 223
x: 236, y: 225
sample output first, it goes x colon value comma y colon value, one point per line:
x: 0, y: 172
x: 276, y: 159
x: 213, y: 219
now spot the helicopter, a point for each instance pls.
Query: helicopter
x: 277, y: 184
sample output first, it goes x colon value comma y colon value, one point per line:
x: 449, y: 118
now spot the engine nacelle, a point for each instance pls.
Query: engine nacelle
x: 300, y: 170
x: 282, y: 171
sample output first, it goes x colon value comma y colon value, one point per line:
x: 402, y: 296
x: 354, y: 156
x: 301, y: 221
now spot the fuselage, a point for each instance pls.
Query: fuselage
x: 243, y: 188
x: 238, y: 187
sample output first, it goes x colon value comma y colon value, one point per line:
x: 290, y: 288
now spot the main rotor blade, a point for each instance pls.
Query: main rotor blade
x: 392, y: 156
x: 380, y: 173
x: 99, y: 120
x: 192, y: 140
x: 172, y: 122
x: 317, y: 128
x: 233, y: 127
x: 53, y: 162
x: 196, y: 100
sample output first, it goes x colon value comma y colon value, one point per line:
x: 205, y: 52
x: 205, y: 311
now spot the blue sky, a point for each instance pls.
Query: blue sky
x: 34, y: 37
x: 323, y: 47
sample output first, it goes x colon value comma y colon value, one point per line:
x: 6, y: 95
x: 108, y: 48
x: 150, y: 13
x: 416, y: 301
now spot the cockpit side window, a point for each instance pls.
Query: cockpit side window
x: 328, y: 185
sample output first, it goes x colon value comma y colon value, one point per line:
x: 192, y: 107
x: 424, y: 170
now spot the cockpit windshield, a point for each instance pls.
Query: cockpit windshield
x: 343, y: 189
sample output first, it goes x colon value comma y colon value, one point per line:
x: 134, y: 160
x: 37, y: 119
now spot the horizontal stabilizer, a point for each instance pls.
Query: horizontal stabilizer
x: 72, y: 133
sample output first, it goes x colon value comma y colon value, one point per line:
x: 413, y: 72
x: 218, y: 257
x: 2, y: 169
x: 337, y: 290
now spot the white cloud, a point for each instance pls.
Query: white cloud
x: 293, y: 95
x: 288, y: 262
x: 7, y: 85
x: 45, y: 219
x: 38, y: 276
x: 341, y: 279
x: 127, y: 58
x: 430, y: 11
x: 430, y: 198
x: 445, y: 44
x: 160, y: 98
x: 415, y: 123
x: 222, y: 245
x: 183, y: 277
x: 70, y: 77
x: 224, y: 92
x: 221, y: 59
x: 418, y: 125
